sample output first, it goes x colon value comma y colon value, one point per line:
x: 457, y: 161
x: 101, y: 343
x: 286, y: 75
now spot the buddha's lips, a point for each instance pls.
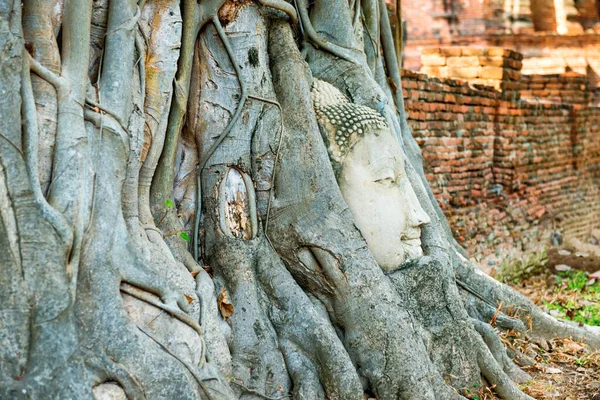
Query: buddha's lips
x: 412, y: 241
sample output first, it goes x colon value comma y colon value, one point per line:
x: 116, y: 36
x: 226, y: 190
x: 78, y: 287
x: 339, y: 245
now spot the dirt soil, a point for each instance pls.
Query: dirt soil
x: 561, y: 369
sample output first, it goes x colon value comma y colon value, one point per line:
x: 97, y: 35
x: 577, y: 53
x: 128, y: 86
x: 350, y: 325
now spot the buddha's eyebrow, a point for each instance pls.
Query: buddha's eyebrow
x: 385, y: 157
x: 383, y: 161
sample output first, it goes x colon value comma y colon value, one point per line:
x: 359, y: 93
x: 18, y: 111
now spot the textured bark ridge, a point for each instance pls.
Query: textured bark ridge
x: 171, y: 226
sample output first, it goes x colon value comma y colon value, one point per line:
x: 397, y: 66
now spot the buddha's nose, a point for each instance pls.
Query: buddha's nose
x: 418, y: 216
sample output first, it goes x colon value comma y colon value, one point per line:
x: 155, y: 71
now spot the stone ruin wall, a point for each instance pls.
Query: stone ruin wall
x: 555, y: 36
x: 511, y: 158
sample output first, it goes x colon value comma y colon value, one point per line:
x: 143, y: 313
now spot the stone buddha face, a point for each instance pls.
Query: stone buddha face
x: 370, y: 169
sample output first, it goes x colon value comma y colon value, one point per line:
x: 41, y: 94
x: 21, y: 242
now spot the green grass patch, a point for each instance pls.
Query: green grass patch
x: 576, y: 300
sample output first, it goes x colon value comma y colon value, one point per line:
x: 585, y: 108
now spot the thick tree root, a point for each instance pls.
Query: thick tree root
x: 539, y: 324
x: 163, y: 373
x: 271, y: 314
x: 216, y: 331
x: 316, y: 359
x: 337, y: 265
x: 429, y: 289
x: 498, y: 350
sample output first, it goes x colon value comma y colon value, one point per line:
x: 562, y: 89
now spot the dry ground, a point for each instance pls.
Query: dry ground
x: 561, y: 369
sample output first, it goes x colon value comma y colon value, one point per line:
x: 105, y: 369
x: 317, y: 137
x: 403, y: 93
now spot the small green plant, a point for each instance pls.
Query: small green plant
x: 579, y: 301
x: 581, y: 361
x: 182, y: 235
x: 168, y: 204
x: 478, y: 392
x: 576, y: 280
x: 526, y: 384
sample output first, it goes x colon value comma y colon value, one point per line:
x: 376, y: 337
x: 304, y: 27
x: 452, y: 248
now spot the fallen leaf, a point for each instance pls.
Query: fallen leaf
x: 493, y: 321
x: 225, y: 307
x: 551, y: 370
x: 572, y: 347
x: 188, y: 298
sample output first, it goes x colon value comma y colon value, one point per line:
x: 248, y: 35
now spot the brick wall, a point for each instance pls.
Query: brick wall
x: 426, y: 19
x: 543, y: 53
x: 562, y: 88
x: 509, y: 24
x: 543, y: 15
x: 443, y: 18
x: 508, y: 168
x: 489, y: 66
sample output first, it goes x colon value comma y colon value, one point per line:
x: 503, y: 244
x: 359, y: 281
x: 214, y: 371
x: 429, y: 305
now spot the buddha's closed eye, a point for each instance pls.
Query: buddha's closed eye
x: 385, y: 176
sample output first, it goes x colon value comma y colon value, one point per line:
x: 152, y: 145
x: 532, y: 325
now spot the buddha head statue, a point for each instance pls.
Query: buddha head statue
x: 369, y: 165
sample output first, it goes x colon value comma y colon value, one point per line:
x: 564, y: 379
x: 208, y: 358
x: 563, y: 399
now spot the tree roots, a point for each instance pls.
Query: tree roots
x: 100, y: 295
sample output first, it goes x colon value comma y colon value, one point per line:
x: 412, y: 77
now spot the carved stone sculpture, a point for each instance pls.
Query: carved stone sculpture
x: 369, y: 166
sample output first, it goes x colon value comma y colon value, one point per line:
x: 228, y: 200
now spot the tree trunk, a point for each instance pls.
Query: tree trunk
x: 172, y: 225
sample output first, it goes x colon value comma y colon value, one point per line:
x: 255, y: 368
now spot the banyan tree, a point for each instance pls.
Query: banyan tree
x: 210, y: 199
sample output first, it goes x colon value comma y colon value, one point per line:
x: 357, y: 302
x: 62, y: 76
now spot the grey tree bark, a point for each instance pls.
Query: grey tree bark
x: 171, y: 225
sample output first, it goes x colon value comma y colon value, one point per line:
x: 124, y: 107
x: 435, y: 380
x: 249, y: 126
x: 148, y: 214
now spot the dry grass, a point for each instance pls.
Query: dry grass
x: 563, y: 369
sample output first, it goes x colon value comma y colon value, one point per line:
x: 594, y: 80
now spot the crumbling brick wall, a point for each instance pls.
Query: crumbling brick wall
x: 543, y: 15
x: 567, y: 36
x: 490, y: 66
x: 562, y: 88
x: 509, y: 167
